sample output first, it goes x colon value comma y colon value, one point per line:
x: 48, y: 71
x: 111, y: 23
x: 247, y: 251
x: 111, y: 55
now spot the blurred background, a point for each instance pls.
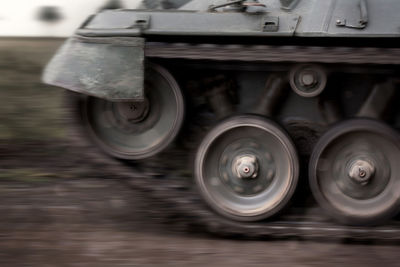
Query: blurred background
x: 63, y: 205
x: 51, y: 18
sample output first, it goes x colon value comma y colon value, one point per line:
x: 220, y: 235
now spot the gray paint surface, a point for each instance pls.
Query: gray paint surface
x: 187, y: 23
x: 307, y: 18
x: 109, y: 68
x: 109, y: 61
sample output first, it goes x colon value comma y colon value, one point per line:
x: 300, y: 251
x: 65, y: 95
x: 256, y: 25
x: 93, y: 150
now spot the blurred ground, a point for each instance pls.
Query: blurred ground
x: 59, y: 207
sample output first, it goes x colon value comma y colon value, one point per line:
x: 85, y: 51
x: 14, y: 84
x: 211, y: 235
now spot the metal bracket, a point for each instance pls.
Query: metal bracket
x: 362, y: 22
x: 236, y: 3
x: 250, y: 6
x: 142, y: 21
x: 270, y: 24
x: 289, y: 4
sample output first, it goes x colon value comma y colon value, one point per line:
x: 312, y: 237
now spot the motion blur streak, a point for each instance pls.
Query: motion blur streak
x: 62, y: 203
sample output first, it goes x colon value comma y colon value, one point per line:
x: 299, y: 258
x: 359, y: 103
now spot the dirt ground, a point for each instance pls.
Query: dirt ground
x: 60, y: 207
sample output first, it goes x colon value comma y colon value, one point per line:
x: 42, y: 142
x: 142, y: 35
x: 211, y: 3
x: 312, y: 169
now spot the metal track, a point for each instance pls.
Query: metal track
x: 183, y: 204
x: 266, y: 53
x: 165, y: 181
x: 306, y: 225
x: 181, y: 199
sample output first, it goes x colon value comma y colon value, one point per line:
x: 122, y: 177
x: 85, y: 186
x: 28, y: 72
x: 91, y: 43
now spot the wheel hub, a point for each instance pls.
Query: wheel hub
x: 246, y: 166
x: 133, y: 111
x: 361, y: 171
x: 308, y: 78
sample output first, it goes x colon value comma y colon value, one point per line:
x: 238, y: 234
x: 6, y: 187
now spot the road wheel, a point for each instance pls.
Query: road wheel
x: 247, y: 168
x: 354, y: 172
x: 138, y: 130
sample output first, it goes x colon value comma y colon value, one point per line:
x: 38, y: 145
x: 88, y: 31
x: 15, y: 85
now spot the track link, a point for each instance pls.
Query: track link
x: 267, y: 53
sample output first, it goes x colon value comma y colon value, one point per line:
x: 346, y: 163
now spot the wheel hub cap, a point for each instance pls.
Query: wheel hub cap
x: 308, y: 79
x: 361, y: 171
x: 245, y: 167
x: 133, y: 111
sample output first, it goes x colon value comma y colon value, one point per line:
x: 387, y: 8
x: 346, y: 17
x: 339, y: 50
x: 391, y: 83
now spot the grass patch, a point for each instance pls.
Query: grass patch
x: 29, y: 110
x: 27, y: 175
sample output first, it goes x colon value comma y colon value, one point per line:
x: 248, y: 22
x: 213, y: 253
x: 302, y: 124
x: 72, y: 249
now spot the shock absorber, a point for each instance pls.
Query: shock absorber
x: 218, y: 95
x: 274, y: 90
x: 378, y: 101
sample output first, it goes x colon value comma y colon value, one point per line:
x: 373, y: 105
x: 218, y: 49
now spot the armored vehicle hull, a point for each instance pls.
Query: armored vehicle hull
x: 264, y: 102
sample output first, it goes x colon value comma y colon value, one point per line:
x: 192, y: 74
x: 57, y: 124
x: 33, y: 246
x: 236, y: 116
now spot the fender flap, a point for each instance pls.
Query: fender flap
x: 111, y: 68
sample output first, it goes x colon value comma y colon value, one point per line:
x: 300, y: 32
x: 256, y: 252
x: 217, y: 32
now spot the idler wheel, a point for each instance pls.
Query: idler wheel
x: 247, y: 168
x: 308, y: 80
x: 354, y: 172
x: 138, y: 130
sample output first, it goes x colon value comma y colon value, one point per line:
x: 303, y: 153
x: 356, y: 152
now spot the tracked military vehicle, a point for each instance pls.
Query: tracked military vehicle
x: 269, y: 95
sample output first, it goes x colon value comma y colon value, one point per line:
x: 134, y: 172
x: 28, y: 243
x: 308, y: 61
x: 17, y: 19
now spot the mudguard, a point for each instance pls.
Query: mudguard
x: 111, y: 68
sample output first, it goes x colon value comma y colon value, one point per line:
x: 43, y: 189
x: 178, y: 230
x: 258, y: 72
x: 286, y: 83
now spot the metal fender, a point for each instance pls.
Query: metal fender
x: 110, y: 68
